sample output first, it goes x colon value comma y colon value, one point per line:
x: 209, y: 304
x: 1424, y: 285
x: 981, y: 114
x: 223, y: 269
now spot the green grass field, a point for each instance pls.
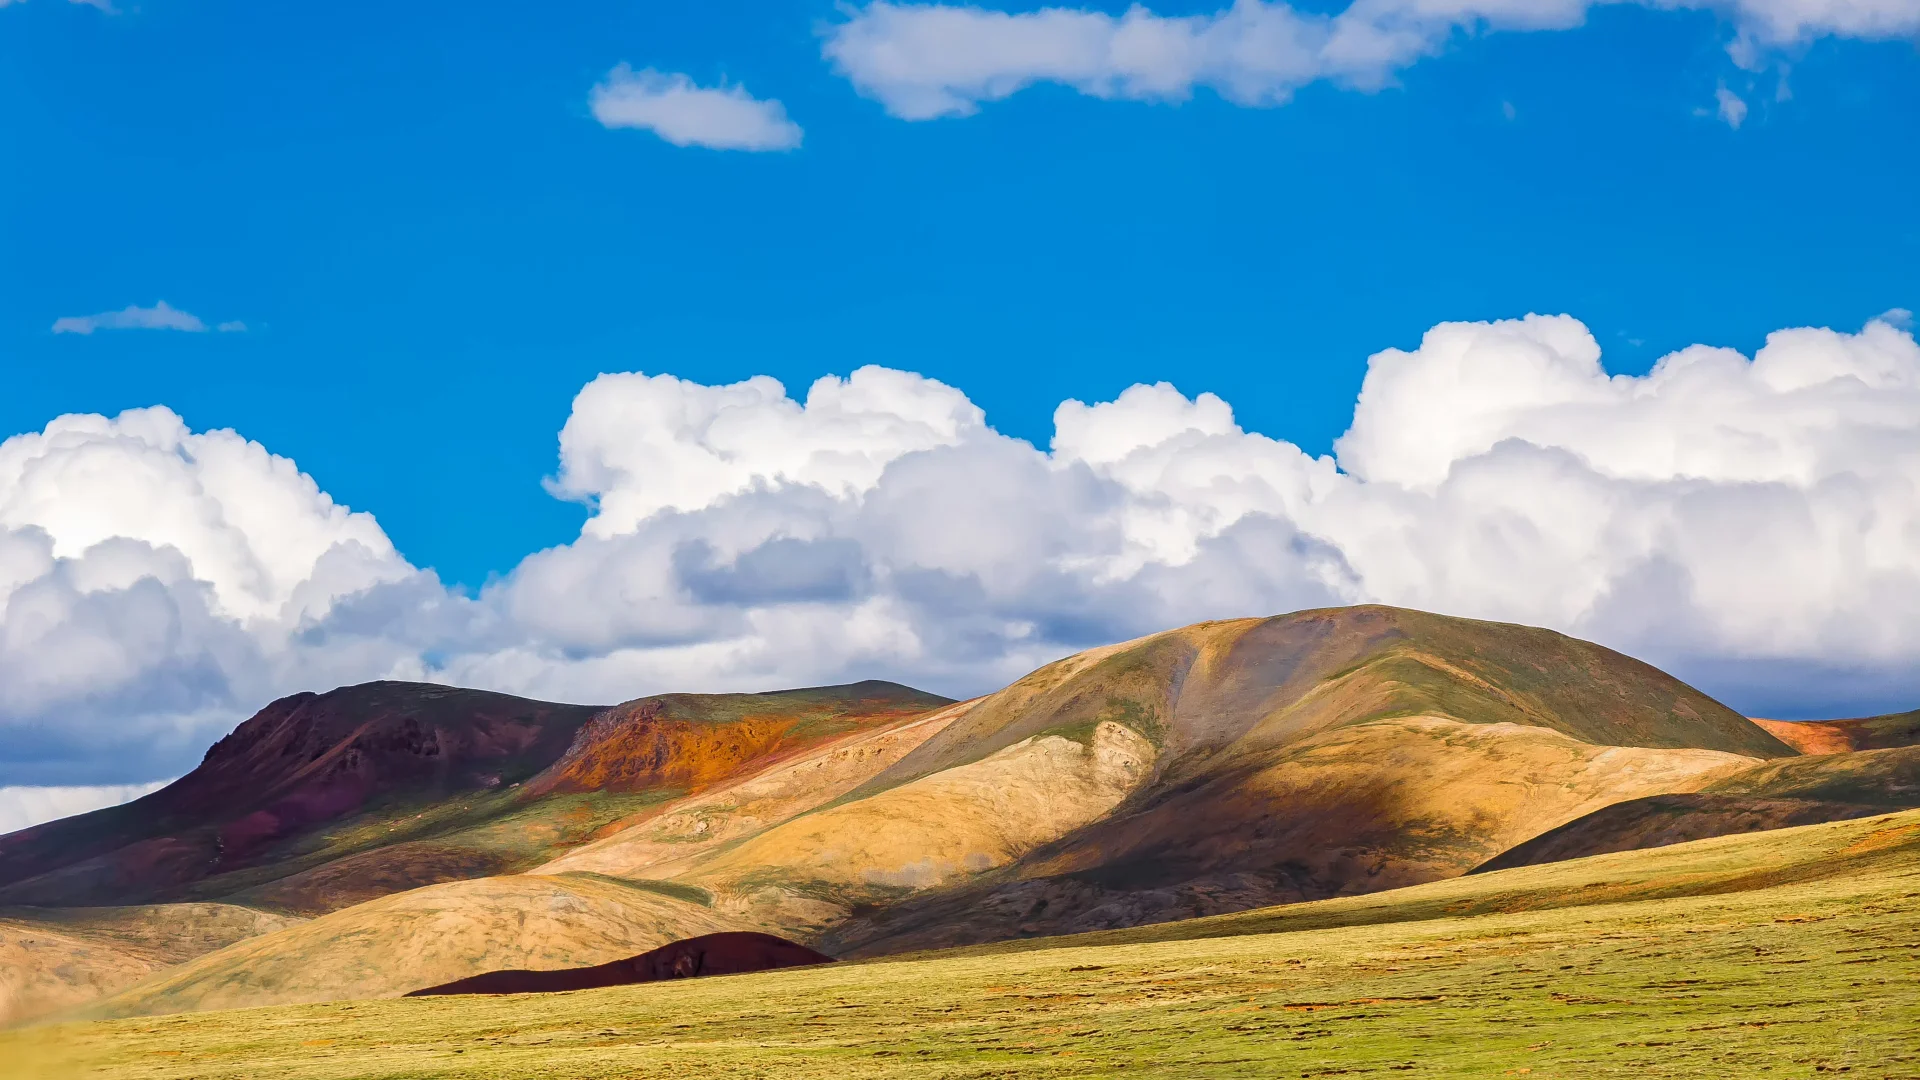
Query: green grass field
x: 1792, y: 953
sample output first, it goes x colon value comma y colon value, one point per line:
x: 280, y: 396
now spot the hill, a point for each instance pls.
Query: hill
x: 1213, y: 768
x: 1770, y: 795
x: 1210, y: 769
x: 323, y: 801
x: 52, y: 959
x: 1784, y: 954
x: 1294, y: 758
x: 1840, y: 736
x: 425, y: 937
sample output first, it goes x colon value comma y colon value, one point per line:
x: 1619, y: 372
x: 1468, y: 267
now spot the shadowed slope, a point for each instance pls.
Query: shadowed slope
x: 1884, y: 849
x: 1772, y: 795
x: 734, y: 952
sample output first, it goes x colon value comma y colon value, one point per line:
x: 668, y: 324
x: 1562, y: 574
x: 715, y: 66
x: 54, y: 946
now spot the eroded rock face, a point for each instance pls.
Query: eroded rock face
x: 732, y: 953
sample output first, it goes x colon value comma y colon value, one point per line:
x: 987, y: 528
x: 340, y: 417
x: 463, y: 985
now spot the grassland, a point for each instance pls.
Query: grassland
x: 1794, y: 953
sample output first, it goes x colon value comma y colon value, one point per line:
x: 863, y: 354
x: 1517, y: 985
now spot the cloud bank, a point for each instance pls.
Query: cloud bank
x: 923, y: 61
x: 673, y: 107
x: 1750, y: 522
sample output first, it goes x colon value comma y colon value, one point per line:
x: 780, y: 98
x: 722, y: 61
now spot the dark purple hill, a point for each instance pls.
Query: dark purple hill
x: 731, y: 953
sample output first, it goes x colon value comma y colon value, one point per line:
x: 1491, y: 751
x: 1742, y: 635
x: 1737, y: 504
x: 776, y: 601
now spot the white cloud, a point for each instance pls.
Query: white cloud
x: 161, y: 316
x: 1751, y: 522
x: 1731, y: 109
x: 1718, y: 510
x: 673, y: 107
x: 25, y: 807
x: 154, y: 580
x: 929, y: 60
x: 233, y: 326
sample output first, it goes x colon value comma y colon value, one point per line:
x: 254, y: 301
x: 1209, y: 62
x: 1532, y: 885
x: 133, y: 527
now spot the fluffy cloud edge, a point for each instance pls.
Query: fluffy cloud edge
x: 923, y: 61
x: 681, y: 112
x: 25, y: 807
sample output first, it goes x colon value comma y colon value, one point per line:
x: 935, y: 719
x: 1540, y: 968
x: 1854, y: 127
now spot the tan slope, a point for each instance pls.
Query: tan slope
x: 1360, y: 808
x: 1841, y: 736
x: 677, y: 831
x: 1247, y: 685
x: 1767, y: 795
x: 398, y: 943
x: 1307, y: 755
x: 56, y: 959
x: 937, y: 829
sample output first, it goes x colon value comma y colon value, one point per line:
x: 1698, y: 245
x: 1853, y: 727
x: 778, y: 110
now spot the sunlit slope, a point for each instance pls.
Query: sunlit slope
x: 1768, y: 795
x: 1252, y: 684
x: 665, y: 837
x: 1269, y: 760
x: 52, y: 959
x: 1786, y: 955
x: 1840, y: 736
x: 939, y: 828
x: 389, y: 946
x: 324, y: 801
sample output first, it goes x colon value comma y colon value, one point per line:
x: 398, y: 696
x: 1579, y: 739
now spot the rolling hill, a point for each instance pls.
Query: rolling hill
x: 1770, y: 795
x: 1840, y: 736
x: 1788, y: 954
x: 1211, y: 769
x: 54, y: 959
x: 323, y: 801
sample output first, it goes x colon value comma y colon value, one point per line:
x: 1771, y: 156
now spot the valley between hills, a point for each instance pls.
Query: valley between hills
x: 1336, y: 841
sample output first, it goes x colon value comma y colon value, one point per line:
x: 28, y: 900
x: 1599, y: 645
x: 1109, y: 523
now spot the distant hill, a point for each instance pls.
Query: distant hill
x: 321, y: 801
x: 1841, y: 736
x: 1210, y: 769
x: 1772, y: 795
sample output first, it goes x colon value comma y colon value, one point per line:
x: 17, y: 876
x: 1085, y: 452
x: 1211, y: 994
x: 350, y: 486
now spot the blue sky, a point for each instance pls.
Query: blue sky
x: 434, y: 245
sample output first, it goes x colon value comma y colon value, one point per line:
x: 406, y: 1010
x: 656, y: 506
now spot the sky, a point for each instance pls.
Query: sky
x: 394, y: 290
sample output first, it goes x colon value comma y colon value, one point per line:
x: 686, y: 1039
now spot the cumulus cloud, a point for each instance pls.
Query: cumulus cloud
x: 929, y: 60
x: 683, y: 113
x: 1750, y: 522
x: 1718, y: 510
x: 161, y: 316
x: 25, y: 807
x: 153, y: 580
